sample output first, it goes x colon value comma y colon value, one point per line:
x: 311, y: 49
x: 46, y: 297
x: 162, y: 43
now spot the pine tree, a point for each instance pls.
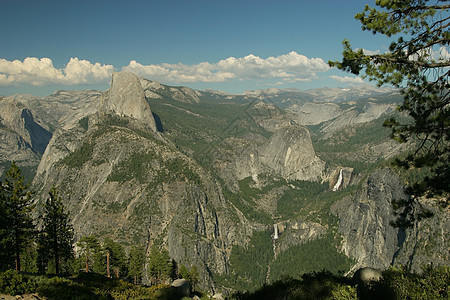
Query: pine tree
x: 16, y: 226
x: 184, y: 272
x: 99, y: 265
x: 173, y: 270
x: 89, y: 246
x: 5, y: 238
x: 159, y: 265
x: 417, y: 63
x: 194, y: 276
x: 56, y: 235
x: 136, y: 263
x: 117, y: 258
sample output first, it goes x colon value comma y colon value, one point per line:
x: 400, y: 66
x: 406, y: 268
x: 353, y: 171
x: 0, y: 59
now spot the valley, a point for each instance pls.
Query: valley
x: 208, y: 176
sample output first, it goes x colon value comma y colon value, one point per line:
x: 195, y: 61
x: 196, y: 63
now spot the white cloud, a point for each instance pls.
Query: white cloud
x: 287, y: 68
x: 39, y: 72
x: 441, y: 55
x: 369, y: 52
x: 291, y: 67
x: 347, y: 79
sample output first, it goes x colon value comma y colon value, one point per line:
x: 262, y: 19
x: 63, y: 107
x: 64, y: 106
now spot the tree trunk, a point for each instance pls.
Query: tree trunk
x: 107, y: 264
x: 55, y: 248
x: 17, y: 262
x: 87, y: 263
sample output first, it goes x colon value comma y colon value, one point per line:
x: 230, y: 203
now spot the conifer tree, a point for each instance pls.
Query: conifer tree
x: 56, y: 235
x: 89, y: 246
x: 183, y: 272
x: 418, y: 63
x: 194, y: 276
x: 136, y: 263
x: 159, y: 264
x: 117, y: 258
x: 5, y: 238
x: 17, y: 225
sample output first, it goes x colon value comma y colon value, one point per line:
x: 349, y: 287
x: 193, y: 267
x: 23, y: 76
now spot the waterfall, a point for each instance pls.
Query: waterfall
x: 275, y: 235
x: 339, y: 182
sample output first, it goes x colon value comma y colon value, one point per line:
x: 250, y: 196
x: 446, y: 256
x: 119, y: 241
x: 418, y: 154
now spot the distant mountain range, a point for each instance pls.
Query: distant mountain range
x: 211, y: 176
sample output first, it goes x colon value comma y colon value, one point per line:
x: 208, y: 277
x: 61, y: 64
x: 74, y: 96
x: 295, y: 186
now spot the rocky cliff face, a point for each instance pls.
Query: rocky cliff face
x: 288, y: 153
x: 364, y: 221
x: 426, y: 243
x: 224, y: 167
x: 126, y: 98
x: 22, y: 138
x: 131, y: 184
x: 369, y: 238
x: 138, y: 189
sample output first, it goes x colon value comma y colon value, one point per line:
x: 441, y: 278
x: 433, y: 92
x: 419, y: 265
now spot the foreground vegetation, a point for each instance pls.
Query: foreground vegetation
x: 397, y: 283
x: 83, y: 286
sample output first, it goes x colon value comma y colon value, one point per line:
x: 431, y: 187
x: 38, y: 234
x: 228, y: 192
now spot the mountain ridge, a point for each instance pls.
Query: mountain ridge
x: 210, y: 186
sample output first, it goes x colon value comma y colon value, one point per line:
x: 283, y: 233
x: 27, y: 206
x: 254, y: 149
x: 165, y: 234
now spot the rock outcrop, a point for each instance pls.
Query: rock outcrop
x: 126, y: 98
x: 23, y: 139
x: 288, y: 153
x: 364, y: 221
x: 367, y: 275
x: 182, y: 287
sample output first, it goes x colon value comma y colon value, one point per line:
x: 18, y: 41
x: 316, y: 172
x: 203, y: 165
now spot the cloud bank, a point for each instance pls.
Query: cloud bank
x: 39, y: 72
x: 291, y: 67
x: 287, y: 68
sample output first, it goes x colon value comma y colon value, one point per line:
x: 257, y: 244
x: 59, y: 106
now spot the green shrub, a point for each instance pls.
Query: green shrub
x: 433, y: 283
x: 14, y: 283
x: 80, y: 156
x: 61, y: 288
x: 344, y: 292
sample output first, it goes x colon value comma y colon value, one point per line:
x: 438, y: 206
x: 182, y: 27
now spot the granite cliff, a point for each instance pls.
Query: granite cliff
x: 213, y: 177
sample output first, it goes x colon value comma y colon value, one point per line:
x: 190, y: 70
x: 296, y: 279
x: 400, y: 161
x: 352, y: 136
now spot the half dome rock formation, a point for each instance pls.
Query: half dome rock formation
x: 126, y: 98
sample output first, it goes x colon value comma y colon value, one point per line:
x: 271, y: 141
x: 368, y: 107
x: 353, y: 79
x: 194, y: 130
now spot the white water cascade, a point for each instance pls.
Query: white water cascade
x: 339, y: 182
x: 275, y: 229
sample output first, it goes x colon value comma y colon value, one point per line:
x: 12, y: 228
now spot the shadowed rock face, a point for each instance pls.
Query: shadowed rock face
x: 364, y: 220
x: 39, y: 135
x: 126, y: 98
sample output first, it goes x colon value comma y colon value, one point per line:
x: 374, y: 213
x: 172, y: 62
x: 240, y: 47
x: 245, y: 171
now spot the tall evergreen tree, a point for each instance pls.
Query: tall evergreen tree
x: 99, y: 265
x: 56, y: 236
x: 117, y: 257
x: 17, y: 224
x: 6, y: 254
x: 418, y: 63
x: 194, y: 276
x: 136, y: 263
x: 89, y: 246
x: 183, y: 272
x: 159, y: 265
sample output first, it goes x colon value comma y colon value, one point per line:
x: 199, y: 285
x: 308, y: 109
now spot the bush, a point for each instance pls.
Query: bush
x: 344, y: 292
x: 62, y: 288
x: 431, y: 284
x: 13, y: 283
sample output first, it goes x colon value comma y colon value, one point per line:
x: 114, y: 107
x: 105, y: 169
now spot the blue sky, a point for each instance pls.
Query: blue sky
x: 225, y: 45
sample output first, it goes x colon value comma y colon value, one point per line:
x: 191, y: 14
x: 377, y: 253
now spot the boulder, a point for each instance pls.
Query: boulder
x: 182, y: 286
x: 367, y: 275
